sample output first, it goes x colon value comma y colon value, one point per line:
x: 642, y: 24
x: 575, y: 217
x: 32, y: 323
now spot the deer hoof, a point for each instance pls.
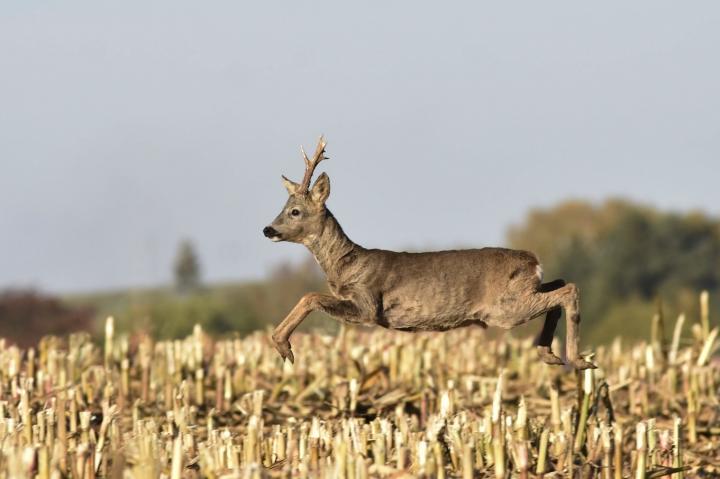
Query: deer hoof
x: 580, y: 363
x: 283, y: 347
x: 546, y: 355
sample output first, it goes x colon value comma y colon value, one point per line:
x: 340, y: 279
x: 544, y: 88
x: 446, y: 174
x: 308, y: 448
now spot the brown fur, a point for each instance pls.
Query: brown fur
x: 432, y: 291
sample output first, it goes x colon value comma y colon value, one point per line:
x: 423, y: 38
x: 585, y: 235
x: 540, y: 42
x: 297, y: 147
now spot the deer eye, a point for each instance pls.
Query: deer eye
x: 295, y: 212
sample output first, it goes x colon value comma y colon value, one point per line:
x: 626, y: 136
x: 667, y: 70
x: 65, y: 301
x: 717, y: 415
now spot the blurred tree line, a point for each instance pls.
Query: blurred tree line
x: 26, y: 315
x: 623, y: 256
x: 221, y: 308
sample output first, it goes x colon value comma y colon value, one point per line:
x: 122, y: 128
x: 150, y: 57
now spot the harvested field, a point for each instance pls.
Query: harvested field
x: 368, y: 403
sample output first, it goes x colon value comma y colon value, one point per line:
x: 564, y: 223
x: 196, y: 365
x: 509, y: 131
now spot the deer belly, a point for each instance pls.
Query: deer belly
x: 419, y: 315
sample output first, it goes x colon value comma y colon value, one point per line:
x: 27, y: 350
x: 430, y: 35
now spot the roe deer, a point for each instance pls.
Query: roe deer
x: 433, y: 291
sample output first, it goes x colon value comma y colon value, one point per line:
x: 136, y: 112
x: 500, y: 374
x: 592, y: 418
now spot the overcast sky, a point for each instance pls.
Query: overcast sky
x: 126, y: 126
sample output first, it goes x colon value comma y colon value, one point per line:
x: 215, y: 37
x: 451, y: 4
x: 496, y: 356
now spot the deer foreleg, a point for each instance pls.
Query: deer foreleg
x: 307, y: 304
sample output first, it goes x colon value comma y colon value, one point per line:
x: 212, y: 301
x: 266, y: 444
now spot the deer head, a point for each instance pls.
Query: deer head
x: 304, y: 213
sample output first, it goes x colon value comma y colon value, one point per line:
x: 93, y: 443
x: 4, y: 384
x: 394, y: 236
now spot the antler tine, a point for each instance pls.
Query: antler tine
x: 310, y: 165
x: 307, y: 160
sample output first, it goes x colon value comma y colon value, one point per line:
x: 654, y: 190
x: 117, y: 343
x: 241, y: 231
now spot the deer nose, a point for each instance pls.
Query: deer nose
x: 269, y: 231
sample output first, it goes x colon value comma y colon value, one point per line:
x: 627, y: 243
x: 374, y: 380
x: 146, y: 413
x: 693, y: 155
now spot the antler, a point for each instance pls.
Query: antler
x: 310, y: 165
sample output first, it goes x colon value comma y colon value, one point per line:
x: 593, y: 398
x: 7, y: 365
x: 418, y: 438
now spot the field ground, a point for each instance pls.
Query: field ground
x: 367, y: 403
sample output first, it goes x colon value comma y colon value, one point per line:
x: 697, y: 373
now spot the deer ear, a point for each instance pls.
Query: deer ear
x: 290, y: 186
x: 321, y: 189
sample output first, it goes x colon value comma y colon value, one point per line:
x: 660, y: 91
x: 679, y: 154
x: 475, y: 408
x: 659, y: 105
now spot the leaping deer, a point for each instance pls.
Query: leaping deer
x: 432, y: 291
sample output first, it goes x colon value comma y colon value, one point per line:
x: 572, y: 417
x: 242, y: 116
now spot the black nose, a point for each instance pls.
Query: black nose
x: 269, y: 231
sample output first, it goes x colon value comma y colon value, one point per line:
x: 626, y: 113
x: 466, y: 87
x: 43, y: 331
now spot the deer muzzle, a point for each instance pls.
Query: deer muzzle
x: 271, y: 233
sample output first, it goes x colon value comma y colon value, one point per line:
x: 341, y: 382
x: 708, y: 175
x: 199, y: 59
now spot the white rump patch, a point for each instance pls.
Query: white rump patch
x: 539, y: 272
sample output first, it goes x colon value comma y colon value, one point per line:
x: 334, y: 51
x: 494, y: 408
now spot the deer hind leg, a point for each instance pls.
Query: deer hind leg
x: 544, y: 347
x: 307, y: 304
x: 545, y: 338
x: 568, y: 298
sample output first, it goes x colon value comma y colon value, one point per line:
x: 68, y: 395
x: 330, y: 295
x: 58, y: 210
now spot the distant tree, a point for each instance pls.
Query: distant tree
x: 623, y: 256
x: 26, y: 316
x: 187, y: 267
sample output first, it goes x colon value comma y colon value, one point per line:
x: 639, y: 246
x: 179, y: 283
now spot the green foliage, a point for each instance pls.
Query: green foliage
x: 173, y: 316
x: 623, y: 256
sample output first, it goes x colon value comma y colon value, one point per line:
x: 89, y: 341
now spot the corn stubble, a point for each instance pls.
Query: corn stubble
x: 367, y: 403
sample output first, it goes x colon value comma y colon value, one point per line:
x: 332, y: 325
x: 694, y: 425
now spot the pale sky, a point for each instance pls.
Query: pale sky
x: 126, y: 126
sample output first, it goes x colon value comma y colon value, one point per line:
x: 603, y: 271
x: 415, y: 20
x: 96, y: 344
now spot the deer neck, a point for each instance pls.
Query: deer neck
x: 331, y: 247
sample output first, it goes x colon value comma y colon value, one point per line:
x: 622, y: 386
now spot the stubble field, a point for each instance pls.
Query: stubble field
x: 366, y: 403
